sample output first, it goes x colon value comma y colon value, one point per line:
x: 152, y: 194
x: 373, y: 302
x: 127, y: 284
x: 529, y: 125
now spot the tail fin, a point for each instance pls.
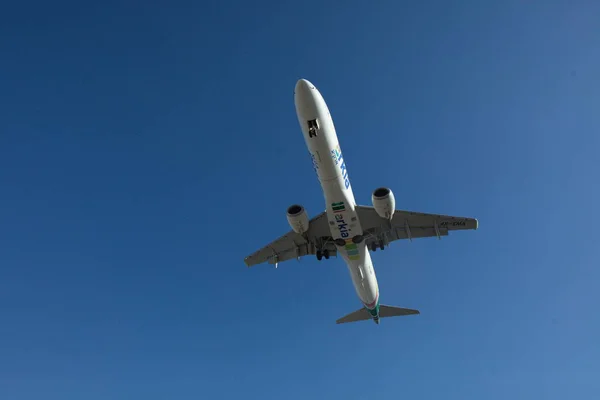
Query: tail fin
x: 384, y: 312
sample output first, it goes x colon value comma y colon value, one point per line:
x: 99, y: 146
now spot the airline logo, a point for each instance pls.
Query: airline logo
x: 351, y: 249
x: 338, y: 210
x: 338, y: 207
x: 342, y: 225
x: 336, y: 155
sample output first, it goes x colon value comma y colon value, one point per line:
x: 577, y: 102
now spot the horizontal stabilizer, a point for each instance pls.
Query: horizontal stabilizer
x: 358, y: 315
x: 384, y: 312
x: 389, y: 311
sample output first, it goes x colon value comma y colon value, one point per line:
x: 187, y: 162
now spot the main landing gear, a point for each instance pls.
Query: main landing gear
x: 339, y: 242
x: 379, y: 244
x: 322, y: 253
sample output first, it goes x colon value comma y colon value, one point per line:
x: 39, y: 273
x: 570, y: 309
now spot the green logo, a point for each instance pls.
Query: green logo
x: 337, y: 207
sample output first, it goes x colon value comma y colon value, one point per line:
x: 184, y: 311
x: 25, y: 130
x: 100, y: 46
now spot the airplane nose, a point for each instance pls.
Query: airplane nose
x: 303, y: 87
x: 305, y: 96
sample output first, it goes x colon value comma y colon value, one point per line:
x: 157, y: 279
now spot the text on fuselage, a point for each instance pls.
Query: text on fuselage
x: 342, y: 225
x: 314, y: 163
x: 336, y: 155
x: 351, y: 249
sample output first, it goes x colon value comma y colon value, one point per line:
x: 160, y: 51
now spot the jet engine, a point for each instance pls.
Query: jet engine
x: 384, y: 202
x: 297, y: 218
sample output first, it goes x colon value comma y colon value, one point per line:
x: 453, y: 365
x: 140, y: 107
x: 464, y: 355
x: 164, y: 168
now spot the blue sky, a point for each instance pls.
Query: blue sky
x: 147, y: 147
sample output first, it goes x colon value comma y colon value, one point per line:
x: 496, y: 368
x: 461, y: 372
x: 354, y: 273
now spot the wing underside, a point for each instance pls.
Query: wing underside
x: 404, y: 225
x: 292, y: 245
x: 409, y: 225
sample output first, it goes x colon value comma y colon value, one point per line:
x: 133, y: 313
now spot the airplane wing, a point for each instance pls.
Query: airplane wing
x: 409, y: 225
x: 292, y: 245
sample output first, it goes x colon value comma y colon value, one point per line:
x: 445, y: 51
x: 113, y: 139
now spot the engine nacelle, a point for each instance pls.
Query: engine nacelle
x: 297, y: 218
x: 384, y: 202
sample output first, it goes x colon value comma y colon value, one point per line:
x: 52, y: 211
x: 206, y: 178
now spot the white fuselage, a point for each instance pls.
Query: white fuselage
x: 329, y: 164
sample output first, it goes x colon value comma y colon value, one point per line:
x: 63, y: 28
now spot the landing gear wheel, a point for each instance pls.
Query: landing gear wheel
x: 326, y: 254
x: 381, y: 246
x: 319, y: 255
x: 374, y: 247
x: 357, y: 239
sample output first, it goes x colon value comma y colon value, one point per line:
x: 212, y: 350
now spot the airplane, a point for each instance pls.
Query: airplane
x: 346, y: 228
